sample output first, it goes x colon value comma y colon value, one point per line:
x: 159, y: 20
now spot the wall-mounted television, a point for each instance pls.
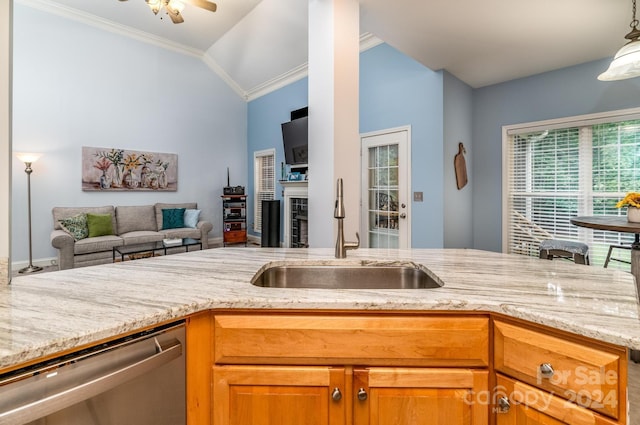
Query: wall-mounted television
x: 295, y: 136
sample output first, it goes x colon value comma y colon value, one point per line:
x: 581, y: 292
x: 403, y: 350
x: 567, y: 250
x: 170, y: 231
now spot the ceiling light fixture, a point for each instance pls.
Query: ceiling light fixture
x: 174, y: 8
x: 626, y: 63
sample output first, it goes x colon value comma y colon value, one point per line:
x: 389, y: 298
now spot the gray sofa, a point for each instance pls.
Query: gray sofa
x: 131, y: 225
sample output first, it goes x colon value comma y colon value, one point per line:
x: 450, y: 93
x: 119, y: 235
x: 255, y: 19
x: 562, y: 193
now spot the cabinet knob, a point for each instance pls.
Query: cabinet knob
x: 336, y: 395
x: 362, y: 394
x: 546, y: 370
x: 503, y: 405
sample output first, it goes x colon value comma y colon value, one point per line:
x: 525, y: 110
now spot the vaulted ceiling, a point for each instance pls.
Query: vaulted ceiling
x: 257, y: 42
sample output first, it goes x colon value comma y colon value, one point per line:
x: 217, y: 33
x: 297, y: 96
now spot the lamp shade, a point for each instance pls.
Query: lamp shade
x: 625, y: 64
x: 28, y: 157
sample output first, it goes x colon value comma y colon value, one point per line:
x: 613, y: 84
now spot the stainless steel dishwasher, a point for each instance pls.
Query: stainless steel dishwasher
x: 135, y: 380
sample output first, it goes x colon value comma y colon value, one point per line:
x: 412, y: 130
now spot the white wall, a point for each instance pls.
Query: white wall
x: 5, y: 139
x: 76, y: 85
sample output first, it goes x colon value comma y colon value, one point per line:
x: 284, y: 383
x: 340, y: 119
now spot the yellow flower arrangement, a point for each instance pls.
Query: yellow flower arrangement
x: 631, y: 200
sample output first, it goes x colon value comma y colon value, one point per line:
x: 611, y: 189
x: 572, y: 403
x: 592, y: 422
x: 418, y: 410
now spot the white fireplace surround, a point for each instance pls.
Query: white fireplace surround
x: 292, y: 189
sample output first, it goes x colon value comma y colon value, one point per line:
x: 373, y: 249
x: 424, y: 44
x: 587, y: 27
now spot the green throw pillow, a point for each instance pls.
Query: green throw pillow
x: 172, y: 218
x: 99, y: 225
x: 76, y: 226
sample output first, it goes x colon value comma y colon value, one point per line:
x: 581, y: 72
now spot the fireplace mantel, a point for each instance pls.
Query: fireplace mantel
x: 295, y: 192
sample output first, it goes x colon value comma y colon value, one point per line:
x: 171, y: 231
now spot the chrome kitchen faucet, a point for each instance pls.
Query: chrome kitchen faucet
x: 338, y: 213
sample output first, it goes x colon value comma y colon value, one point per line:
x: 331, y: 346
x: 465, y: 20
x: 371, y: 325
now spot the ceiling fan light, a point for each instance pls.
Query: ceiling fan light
x: 154, y: 5
x: 625, y: 64
x: 175, y: 6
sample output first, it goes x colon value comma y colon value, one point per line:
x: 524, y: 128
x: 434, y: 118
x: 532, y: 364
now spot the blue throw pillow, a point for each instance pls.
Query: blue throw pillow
x: 191, y: 218
x: 172, y: 218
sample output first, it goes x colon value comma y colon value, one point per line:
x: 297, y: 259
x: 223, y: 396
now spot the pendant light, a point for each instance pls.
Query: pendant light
x: 626, y: 63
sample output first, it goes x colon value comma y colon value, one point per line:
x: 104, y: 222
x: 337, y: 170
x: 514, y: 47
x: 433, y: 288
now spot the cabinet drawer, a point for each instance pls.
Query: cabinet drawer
x: 591, y: 377
x: 235, y: 236
x: 532, y: 406
x: 375, y: 340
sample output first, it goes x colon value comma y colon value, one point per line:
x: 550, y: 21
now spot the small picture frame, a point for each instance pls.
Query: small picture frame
x: 295, y: 176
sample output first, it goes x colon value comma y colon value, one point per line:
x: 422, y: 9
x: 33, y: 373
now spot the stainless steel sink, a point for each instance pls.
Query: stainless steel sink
x: 345, y: 277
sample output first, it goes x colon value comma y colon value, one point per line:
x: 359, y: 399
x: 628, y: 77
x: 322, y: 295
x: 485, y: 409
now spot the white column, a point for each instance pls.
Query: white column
x: 334, y: 143
x: 6, y: 65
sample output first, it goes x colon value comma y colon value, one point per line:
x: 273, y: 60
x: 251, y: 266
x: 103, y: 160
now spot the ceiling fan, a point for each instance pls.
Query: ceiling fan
x: 174, y: 7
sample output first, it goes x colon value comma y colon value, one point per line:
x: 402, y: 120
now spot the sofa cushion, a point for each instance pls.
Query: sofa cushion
x: 184, y: 232
x: 191, y: 217
x: 172, y: 218
x: 160, y: 206
x: 76, y: 226
x: 99, y: 224
x: 60, y: 213
x: 97, y: 244
x: 141, y: 236
x: 134, y: 218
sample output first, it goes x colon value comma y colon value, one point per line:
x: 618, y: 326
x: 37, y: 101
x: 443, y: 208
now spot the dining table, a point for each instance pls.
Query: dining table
x: 615, y: 223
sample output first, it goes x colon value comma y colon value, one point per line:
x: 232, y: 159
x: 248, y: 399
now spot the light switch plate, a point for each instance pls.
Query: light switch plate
x: 417, y: 196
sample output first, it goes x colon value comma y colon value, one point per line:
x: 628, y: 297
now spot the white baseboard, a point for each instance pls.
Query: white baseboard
x: 40, y: 262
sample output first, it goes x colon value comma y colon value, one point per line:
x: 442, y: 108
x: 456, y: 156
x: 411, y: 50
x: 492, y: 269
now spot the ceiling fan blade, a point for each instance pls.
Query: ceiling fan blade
x: 204, y: 4
x: 176, y: 17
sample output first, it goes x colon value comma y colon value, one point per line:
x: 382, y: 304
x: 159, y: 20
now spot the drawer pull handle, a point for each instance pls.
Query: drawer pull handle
x: 503, y: 405
x: 336, y: 395
x: 362, y: 394
x: 546, y: 370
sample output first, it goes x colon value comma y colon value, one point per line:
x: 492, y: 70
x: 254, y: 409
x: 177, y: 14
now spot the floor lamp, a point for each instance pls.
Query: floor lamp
x: 28, y: 159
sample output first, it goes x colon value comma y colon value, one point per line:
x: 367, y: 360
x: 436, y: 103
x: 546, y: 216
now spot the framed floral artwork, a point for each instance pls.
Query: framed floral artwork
x: 112, y: 169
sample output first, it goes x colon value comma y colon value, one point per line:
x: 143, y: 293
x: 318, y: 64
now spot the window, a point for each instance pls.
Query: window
x: 559, y: 169
x: 264, y: 183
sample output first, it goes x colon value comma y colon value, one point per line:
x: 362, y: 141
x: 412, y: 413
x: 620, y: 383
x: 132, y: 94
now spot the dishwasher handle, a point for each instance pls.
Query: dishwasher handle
x: 29, y: 412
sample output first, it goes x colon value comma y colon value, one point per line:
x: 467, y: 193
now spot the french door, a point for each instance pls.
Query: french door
x: 385, y: 200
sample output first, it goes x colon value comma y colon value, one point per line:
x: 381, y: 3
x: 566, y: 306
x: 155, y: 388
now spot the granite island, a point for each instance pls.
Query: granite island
x: 41, y: 315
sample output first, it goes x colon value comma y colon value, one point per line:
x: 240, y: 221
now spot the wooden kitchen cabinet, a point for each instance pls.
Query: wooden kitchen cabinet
x: 267, y: 395
x: 552, y: 379
x: 523, y: 404
x: 312, y: 369
x: 280, y: 395
x: 419, y: 396
x: 414, y: 369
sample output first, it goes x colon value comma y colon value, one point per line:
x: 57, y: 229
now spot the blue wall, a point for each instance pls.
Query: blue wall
x: 562, y: 93
x: 395, y: 91
x: 265, y: 115
x: 458, y: 114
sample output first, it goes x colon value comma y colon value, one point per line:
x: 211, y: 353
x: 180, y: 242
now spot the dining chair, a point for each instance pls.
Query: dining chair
x: 578, y: 252
x: 620, y: 260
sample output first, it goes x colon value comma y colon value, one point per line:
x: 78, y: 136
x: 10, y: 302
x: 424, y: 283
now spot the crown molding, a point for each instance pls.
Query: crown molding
x: 278, y: 82
x: 213, y: 65
x: 107, y: 25
x: 367, y: 41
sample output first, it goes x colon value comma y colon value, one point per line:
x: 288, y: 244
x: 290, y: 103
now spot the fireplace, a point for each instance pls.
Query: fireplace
x: 296, y: 207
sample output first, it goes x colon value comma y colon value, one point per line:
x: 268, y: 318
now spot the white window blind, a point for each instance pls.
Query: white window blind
x: 558, y: 173
x: 265, y: 183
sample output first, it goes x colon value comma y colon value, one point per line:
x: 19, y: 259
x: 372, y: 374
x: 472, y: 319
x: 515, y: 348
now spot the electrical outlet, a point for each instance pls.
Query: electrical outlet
x: 417, y: 196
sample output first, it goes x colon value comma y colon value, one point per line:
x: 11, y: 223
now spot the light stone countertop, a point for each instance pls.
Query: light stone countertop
x: 43, y: 314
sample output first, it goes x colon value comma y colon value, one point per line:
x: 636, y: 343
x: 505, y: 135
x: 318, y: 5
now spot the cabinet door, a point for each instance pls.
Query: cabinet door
x: 411, y: 396
x: 522, y: 404
x: 265, y: 395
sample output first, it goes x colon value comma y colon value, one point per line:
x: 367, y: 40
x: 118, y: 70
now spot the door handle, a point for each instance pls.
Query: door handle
x: 403, y: 215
